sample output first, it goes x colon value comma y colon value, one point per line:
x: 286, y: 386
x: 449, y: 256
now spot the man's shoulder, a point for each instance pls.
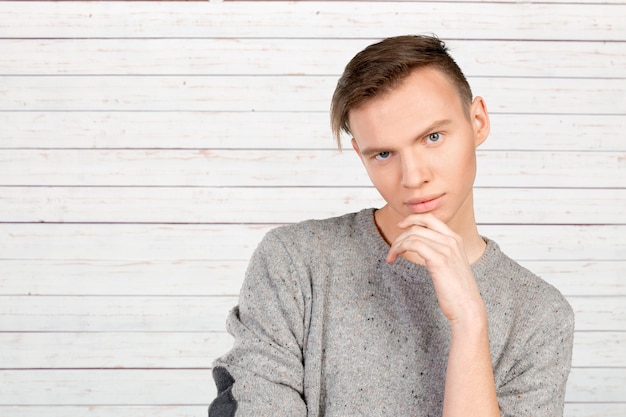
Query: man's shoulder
x: 527, y: 288
x: 338, y: 227
x: 314, y: 241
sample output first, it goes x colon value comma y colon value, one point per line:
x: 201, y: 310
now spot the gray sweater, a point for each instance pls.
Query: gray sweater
x: 325, y: 327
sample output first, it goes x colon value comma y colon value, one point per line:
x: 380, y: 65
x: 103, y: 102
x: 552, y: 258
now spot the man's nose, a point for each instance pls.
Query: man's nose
x: 415, y: 171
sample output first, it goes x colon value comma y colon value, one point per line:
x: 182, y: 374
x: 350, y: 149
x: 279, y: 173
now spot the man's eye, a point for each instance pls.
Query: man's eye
x: 434, y: 137
x: 382, y: 156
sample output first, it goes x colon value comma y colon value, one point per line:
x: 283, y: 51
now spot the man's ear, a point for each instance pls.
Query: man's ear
x: 480, y: 121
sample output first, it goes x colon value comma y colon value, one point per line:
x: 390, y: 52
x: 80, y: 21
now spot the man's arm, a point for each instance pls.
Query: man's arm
x: 535, y: 382
x: 470, y: 386
x: 263, y: 374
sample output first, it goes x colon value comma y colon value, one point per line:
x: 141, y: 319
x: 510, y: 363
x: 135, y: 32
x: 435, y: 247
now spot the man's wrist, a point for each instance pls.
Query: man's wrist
x: 472, y: 322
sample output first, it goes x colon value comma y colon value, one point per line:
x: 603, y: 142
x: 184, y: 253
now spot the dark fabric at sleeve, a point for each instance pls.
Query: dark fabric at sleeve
x: 225, y: 404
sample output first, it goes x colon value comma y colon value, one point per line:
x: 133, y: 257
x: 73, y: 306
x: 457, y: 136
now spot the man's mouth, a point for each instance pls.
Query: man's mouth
x: 424, y: 204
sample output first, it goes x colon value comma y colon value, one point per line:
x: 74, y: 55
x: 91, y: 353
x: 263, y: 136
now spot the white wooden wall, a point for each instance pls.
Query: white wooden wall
x: 145, y: 148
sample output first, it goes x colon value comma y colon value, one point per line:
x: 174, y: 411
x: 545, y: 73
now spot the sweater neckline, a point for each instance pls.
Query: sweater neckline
x: 379, y: 248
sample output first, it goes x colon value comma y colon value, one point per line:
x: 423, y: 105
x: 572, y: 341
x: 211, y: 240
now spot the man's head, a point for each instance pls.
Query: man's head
x: 415, y: 127
x: 381, y: 67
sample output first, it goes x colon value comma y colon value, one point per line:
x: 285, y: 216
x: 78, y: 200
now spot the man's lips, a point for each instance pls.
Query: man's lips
x: 424, y: 204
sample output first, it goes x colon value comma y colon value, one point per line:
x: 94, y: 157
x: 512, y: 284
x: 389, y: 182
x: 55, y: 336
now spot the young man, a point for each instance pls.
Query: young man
x: 406, y: 310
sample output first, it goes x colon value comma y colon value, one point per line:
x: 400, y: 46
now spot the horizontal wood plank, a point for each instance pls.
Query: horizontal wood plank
x: 590, y: 409
x: 575, y: 278
x: 219, y: 56
x: 278, y: 130
x: 195, y: 388
x: 117, y: 411
x: 596, y: 385
x: 270, y: 205
x: 201, y: 314
x: 288, y: 168
x: 280, y: 93
x: 599, y: 349
x: 103, y: 387
x: 515, y: 20
x: 216, y: 278
x: 599, y: 313
x: 104, y: 350
x: 236, y: 242
x: 153, y: 277
x: 114, y: 314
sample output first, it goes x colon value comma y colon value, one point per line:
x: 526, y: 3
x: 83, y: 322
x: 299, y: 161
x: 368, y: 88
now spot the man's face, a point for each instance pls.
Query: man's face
x: 418, y: 144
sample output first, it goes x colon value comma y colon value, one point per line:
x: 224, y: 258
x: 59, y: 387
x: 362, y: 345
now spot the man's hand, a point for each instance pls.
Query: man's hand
x: 443, y: 253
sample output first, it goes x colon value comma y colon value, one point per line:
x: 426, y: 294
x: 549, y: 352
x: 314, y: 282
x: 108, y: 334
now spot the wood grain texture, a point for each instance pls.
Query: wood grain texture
x: 515, y: 20
x: 279, y: 130
x: 147, y: 147
x: 111, y: 410
x: 178, y: 314
x: 221, y: 56
x: 219, y: 242
x: 287, y: 168
x: 158, y: 93
x: 225, y: 277
x: 185, y: 205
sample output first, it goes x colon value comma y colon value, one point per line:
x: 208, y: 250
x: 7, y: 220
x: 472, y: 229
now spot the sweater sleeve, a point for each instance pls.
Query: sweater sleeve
x: 263, y: 373
x: 536, y: 382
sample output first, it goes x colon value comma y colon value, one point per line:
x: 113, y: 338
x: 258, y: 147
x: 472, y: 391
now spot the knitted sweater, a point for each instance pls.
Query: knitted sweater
x: 325, y: 327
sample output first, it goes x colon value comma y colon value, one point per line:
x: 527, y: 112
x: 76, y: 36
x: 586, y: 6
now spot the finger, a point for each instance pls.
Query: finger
x: 427, y: 220
x: 417, y: 239
x: 429, y: 244
x: 414, y: 244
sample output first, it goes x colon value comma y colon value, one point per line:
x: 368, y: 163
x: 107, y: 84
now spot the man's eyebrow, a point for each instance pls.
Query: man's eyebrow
x: 372, y: 151
x: 438, y: 124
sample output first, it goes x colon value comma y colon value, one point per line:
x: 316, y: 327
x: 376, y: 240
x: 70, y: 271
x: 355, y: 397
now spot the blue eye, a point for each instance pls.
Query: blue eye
x: 382, y: 156
x: 434, y: 137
